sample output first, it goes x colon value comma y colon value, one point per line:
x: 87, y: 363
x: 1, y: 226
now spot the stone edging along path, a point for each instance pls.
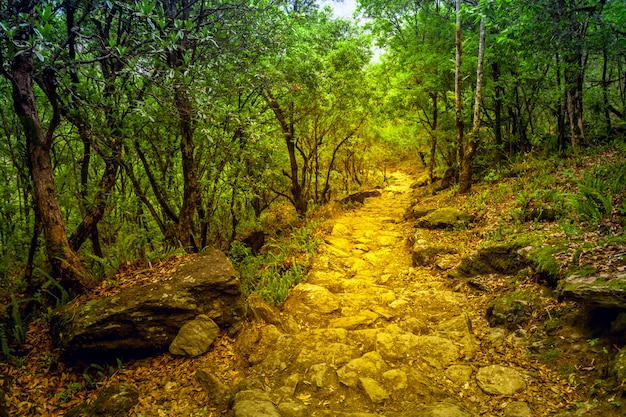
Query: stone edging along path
x: 368, y: 334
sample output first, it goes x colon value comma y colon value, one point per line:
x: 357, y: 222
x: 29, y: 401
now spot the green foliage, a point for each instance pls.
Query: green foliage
x: 96, y: 372
x: 19, y: 324
x: 70, y: 390
x: 597, y: 190
x: 281, y: 265
x: 5, y: 349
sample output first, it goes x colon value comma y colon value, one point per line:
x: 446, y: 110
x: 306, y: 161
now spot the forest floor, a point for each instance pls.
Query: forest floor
x: 365, y: 267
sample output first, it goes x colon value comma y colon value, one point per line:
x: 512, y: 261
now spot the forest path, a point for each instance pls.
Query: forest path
x: 368, y: 334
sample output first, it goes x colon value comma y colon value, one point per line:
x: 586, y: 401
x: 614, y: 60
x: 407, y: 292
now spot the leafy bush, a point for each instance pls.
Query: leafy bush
x: 281, y: 265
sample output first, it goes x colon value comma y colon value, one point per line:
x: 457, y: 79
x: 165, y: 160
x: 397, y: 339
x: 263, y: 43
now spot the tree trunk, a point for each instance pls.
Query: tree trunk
x: 433, y: 138
x: 498, y: 113
x: 561, y: 105
x: 64, y: 261
x: 465, y: 174
x: 574, y: 94
x: 191, y: 192
x: 458, y: 102
x: 605, y: 92
x: 298, y: 197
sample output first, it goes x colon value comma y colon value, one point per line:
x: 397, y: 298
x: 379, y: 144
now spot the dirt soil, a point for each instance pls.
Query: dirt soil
x: 366, y: 332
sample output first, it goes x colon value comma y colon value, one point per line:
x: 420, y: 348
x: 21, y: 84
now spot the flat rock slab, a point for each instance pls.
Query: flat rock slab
x: 500, y: 380
x: 436, y: 351
x: 601, y: 290
x: 143, y: 320
x: 309, y: 297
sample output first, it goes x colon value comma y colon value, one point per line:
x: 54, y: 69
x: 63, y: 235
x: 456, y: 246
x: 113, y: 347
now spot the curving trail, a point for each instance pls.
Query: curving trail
x: 368, y: 334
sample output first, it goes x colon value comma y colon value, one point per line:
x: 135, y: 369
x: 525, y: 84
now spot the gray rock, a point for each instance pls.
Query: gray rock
x: 353, y: 322
x: 517, y: 409
x: 440, y: 409
x: 418, y: 211
x: 290, y: 384
x: 217, y: 391
x: 253, y: 408
x: 254, y: 403
x: 397, y: 379
x: 425, y: 254
x: 195, y: 337
x: 506, y: 259
x: 340, y: 353
x: 313, y: 298
x: 368, y: 365
x: 444, y: 218
x: 436, y: 351
x: 459, y: 374
x: 113, y: 401
x: 510, y: 310
x: 323, y: 375
x: 599, y: 290
x: 499, y: 380
x: 142, y: 320
x: 291, y: 409
x: 374, y: 391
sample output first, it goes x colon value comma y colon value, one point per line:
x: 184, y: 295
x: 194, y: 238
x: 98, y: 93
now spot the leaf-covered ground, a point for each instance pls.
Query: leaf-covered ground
x: 558, y: 342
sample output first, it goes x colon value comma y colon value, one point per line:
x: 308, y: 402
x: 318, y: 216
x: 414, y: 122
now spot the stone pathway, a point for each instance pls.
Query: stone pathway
x: 367, y: 334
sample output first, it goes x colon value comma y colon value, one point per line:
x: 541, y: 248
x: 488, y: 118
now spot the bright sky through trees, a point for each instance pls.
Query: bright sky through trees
x: 345, y: 8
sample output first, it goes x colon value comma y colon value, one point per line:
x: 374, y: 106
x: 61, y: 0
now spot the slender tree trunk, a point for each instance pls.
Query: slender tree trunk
x: 498, y: 112
x: 561, y: 105
x: 573, y: 74
x: 458, y: 102
x: 64, y: 261
x: 191, y: 191
x: 574, y: 94
x: 465, y: 174
x: 433, y: 138
x: 605, y: 91
x: 298, y: 197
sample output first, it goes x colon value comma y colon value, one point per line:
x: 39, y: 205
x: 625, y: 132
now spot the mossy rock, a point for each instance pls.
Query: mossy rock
x: 512, y: 309
x: 502, y: 259
x: 538, y: 212
x: 598, y: 290
x: 444, y: 218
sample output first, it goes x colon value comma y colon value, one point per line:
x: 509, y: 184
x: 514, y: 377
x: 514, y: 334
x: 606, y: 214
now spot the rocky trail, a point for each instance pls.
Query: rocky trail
x: 378, y: 327
x: 368, y: 334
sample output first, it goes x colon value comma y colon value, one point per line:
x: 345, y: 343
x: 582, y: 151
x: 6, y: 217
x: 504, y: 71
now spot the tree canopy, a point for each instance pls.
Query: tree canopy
x: 134, y: 128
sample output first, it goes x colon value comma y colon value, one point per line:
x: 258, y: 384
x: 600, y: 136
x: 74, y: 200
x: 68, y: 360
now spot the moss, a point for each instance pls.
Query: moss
x: 544, y: 261
x: 512, y: 309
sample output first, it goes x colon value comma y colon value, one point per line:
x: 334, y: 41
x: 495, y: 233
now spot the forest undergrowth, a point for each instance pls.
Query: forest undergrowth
x: 570, y: 211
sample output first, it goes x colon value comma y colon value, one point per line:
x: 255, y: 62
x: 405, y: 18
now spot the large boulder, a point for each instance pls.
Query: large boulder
x: 143, y: 320
x: 597, y: 290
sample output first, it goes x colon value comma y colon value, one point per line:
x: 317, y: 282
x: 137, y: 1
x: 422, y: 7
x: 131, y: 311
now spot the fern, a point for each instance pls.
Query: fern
x: 19, y: 325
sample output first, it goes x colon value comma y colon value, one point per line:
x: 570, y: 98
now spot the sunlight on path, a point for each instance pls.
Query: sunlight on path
x: 366, y: 332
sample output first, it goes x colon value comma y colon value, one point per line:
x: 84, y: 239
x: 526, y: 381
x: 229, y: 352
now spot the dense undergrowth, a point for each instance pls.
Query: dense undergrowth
x: 542, y: 202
